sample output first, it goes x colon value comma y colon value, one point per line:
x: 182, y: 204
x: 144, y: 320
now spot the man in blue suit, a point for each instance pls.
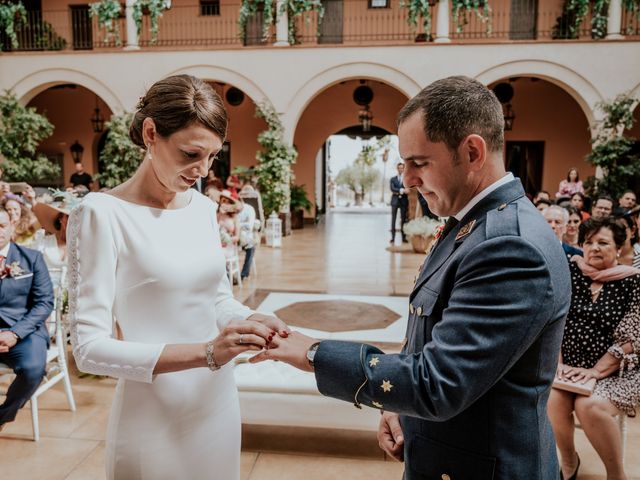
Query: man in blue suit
x: 466, y: 398
x: 399, y: 201
x: 26, y: 300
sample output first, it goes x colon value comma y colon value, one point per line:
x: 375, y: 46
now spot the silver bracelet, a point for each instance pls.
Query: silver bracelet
x: 211, y: 361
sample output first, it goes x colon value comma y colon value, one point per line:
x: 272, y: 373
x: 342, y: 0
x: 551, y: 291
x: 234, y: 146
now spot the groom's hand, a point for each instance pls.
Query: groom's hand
x: 272, y: 322
x: 291, y: 349
x: 390, y: 436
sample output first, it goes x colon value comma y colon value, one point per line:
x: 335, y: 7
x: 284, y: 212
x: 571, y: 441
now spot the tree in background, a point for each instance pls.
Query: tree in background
x: 617, y: 155
x: 21, y: 131
x: 121, y: 157
x: 361, y: 176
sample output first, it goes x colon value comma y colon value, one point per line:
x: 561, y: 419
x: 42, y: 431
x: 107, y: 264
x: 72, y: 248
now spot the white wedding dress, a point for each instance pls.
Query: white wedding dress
x: 161, y: 275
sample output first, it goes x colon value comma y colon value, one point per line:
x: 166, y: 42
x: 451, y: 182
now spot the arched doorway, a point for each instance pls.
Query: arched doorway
x: 342, y: 110
x: 82, y: 125
x: 549, y: 132
x: 241, y: 145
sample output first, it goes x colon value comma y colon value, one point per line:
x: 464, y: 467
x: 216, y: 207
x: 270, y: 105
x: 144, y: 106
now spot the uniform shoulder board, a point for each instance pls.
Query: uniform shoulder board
x: 503, y: 221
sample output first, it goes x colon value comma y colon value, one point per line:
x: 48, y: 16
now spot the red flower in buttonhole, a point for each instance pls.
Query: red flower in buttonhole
x: 438, y: 232
x: 12, y: 270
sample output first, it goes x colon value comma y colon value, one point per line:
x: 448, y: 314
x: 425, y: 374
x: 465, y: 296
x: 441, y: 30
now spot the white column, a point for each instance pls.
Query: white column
x: 282, y: 26
x: 132, y: 31
x: 615, y: 20
x: 442, y: 22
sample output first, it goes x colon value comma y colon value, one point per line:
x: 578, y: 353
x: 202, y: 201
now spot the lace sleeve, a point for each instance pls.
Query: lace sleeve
x: 628, y: 332
x: 92, y: 255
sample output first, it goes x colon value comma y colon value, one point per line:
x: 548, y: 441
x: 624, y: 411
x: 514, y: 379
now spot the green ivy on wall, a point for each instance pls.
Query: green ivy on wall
x: 154, y: 9
x: 616, y: 154
x: 301, y: 8
x: 11, y: 16
x: 574, y: 12
x: 21, y: 131
x: 293, y: 9
x: 249, y: 8
x: 120, y: 157
x: 108, y: 12
x: 418, y: 9
x: 462, y: 9
x: 274, y: 161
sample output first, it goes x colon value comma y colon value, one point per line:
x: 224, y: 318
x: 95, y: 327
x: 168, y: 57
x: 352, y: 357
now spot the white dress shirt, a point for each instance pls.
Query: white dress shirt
x: 475, y: 200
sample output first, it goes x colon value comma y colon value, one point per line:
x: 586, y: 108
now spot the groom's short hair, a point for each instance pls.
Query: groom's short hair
x: 455, y: 107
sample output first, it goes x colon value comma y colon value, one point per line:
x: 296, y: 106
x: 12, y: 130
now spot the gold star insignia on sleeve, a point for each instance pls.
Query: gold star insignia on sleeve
x: 376, y: 404
x: 386, y: 386
x: 374, y: 362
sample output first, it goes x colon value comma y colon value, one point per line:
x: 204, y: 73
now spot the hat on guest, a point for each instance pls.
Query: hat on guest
x: 48, y: 213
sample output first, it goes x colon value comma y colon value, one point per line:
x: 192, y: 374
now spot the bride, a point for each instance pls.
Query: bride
x: 147, y: 255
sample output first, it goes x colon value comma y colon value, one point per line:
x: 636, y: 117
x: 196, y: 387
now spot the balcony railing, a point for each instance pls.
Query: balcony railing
x: 630, y: 24
x: 346, y: 22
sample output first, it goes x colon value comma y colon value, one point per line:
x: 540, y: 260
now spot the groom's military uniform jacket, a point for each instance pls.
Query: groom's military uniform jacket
x: 486, y: 318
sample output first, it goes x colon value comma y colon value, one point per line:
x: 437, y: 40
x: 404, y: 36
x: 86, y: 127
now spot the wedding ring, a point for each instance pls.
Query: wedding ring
x: 241, y: 341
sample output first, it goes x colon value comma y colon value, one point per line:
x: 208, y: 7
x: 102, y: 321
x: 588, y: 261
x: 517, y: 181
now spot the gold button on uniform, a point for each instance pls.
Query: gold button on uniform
x: 419, y: 311
x: 502, y: 207
x: 411, y: 309
x: 445, y: 477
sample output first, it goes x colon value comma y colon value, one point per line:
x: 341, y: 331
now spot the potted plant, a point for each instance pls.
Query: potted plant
x: 298, y: 203
x: 421, y: 232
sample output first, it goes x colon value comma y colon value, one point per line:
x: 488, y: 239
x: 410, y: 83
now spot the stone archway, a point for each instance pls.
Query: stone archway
x: 333, y: 76
x: 30, y: 86
x: 333, y: 110
x: 581, y: 89
x: 550, y: 134
x: 71, y: 124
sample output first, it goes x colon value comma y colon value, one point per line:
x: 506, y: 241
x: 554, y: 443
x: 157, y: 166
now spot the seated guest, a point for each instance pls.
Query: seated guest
x: 603, y: 207
x: 570, y: 185
x: 233, y: 185
x: 24, y: 221
x: 601, y: 334
x: 577, y: 202
x: 542, y: 204
x: 247, y: 222
x: 541, y: 195
x: 573, y: 226
x: 54, y: 218
x: 625, y: 203
x: 25, y: 304
x: 228, y: 222
x: 557, y: 217
x: 629, y: 254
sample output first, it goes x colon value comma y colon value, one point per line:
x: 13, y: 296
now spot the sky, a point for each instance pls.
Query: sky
x: 343, y: 151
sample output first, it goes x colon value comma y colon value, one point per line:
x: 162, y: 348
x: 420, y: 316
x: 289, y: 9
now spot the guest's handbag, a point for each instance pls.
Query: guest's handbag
x: 580, y: 388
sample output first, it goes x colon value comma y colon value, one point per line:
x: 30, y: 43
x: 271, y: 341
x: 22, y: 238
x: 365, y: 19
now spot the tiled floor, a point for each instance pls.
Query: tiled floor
x: 346, y: 255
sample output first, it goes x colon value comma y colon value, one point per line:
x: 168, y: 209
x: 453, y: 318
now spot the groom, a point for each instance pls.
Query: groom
x: 466, y: 398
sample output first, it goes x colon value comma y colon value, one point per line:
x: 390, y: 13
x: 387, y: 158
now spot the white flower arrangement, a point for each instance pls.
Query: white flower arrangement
x: 421, y: 226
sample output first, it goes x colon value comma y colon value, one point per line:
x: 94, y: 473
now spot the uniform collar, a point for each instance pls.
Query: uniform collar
x: 484, y: 193
x: 5, y: 251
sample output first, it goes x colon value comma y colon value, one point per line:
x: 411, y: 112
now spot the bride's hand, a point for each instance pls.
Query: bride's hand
x: 240, y: 336
x: 272, y: 322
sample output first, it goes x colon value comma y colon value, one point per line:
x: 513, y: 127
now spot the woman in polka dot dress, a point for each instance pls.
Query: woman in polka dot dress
x: 601, y: 341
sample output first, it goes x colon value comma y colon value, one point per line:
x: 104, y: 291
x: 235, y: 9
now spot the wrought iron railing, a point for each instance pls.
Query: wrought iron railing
x: 346, y: 22
x: 630, y: 24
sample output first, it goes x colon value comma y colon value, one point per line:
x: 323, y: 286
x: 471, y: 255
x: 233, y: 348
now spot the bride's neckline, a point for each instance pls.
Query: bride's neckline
x: 141, y: 205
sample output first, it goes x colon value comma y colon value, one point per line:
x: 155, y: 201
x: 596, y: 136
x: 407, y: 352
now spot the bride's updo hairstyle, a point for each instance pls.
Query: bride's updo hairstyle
x: 175, y: 103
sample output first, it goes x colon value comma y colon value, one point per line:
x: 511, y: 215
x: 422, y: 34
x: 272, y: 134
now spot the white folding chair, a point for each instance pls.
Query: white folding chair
x: 233, y: 266
x: 56, y: 359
